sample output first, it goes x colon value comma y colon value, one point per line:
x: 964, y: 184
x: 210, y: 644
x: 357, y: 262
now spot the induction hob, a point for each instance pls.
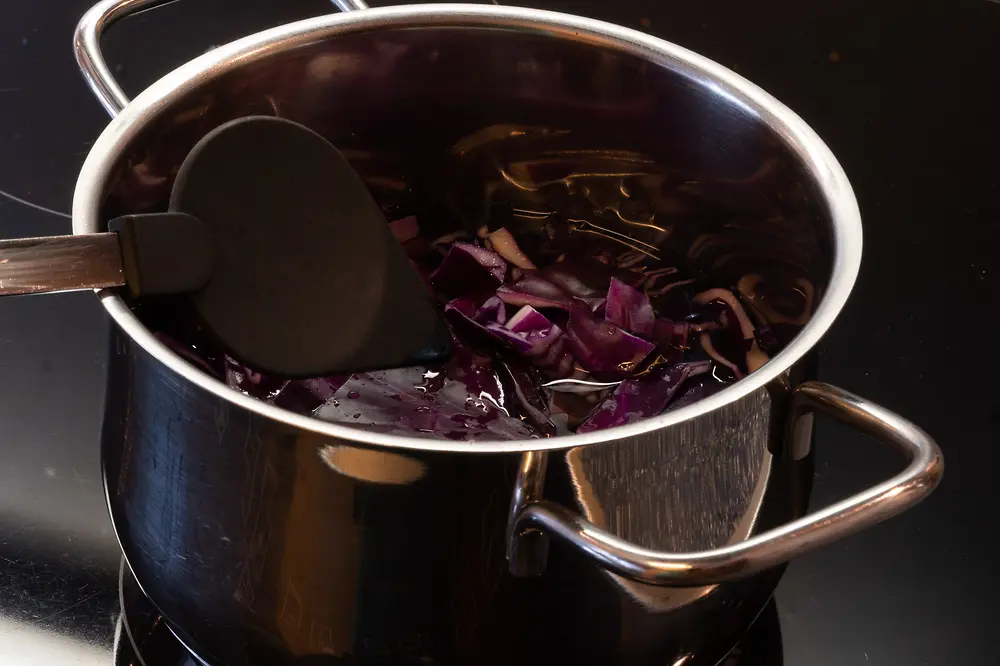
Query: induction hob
x: 901, y: 91
x: 144, y: 637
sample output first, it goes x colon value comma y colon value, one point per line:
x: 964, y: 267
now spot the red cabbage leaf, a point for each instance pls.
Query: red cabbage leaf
x: 641, y: 397
x: 629, y: 308
x: 601, y: 347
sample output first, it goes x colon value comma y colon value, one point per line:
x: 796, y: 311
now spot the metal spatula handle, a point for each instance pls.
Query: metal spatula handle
x: 60, y: 263
x: 155, y: 253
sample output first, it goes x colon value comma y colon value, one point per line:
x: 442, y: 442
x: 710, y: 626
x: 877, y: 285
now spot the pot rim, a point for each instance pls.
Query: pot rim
x: 830, y: 179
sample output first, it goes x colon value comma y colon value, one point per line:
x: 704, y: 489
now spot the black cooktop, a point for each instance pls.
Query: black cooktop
x: 901, y: 90
x: 145, y: 639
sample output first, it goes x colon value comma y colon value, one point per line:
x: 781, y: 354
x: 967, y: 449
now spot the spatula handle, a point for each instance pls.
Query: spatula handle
x: 60, y: 263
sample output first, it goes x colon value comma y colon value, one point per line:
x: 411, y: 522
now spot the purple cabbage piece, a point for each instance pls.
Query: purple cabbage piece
x: 696, y: 392
x: 601, y: 347
x: 529, y: 333
x: 628, y: 308
x: 547, y: 343
x: 671, y: 338
x: 461, y: 312
x: 528, y: 320
x: 512, y: 296
x: 468, y: 270
x: 668, y: 332
x: 298, y: 395
x: 306, y: 395
x: 533, y: 290
x: 547, y: 349
x: 492, y: 310
x: 524, y: 384
x: 639, y: 398
x: 534, y: 336
x: 462, y: 400
x: 519, y: 342
x: 582, y: 278
x: 558, y: 361
x: 536, y: 330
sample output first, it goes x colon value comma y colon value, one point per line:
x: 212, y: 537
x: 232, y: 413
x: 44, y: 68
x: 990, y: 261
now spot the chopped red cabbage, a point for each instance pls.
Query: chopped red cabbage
x: 695, y: 391
x: 462, y: 400
x: 558, y: 360
x: 528, y: 332
x: 468, y: 270
x: 307, y: 395
x: 582, y: 278
x: 620, y: 315
x: 628, y: 308
x: 534, y: 290
x: 524, y: 383
x: 641, y: 397
x: 490, y: 312
x: 548, y: 350
x: 602, y: 347
x: 528, y: 320
x: 463, y: 313
x: 519, y: 342
x: 493, y: 310
x: 671, y: 333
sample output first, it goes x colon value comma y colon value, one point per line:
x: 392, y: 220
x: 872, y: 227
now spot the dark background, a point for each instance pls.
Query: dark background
x: 904, y: 93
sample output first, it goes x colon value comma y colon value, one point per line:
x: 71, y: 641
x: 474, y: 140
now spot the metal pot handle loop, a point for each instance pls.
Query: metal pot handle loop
x: 87, y: 45
x: 778, y: 545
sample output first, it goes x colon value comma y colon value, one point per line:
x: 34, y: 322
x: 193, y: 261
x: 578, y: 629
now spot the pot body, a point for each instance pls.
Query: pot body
x: 265, y: 544
x: 266, y: 537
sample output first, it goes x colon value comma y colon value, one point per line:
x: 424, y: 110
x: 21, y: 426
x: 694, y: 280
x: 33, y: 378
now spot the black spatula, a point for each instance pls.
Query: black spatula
x: 280, y: 246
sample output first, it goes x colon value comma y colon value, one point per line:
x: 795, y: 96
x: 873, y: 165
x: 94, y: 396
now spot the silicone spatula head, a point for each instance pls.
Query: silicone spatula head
x: 306, y: 277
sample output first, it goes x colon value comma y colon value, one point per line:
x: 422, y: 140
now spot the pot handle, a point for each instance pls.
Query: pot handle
x: 87, y: 45
x: 778, y: 545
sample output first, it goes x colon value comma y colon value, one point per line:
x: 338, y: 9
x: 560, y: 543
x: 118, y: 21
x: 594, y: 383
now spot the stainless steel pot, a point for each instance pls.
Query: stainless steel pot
x: 271, y: 538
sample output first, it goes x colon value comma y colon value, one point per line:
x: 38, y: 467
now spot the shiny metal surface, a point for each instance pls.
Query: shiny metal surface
x: 350, y: 5
x: 527, y: 550
x: 87, y: 45
x: 255, y: 538
x: 60, y: 263
x: 669, y: 93
x: 767, y: 549
x: 88, y: 48
x: 264, y: 535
